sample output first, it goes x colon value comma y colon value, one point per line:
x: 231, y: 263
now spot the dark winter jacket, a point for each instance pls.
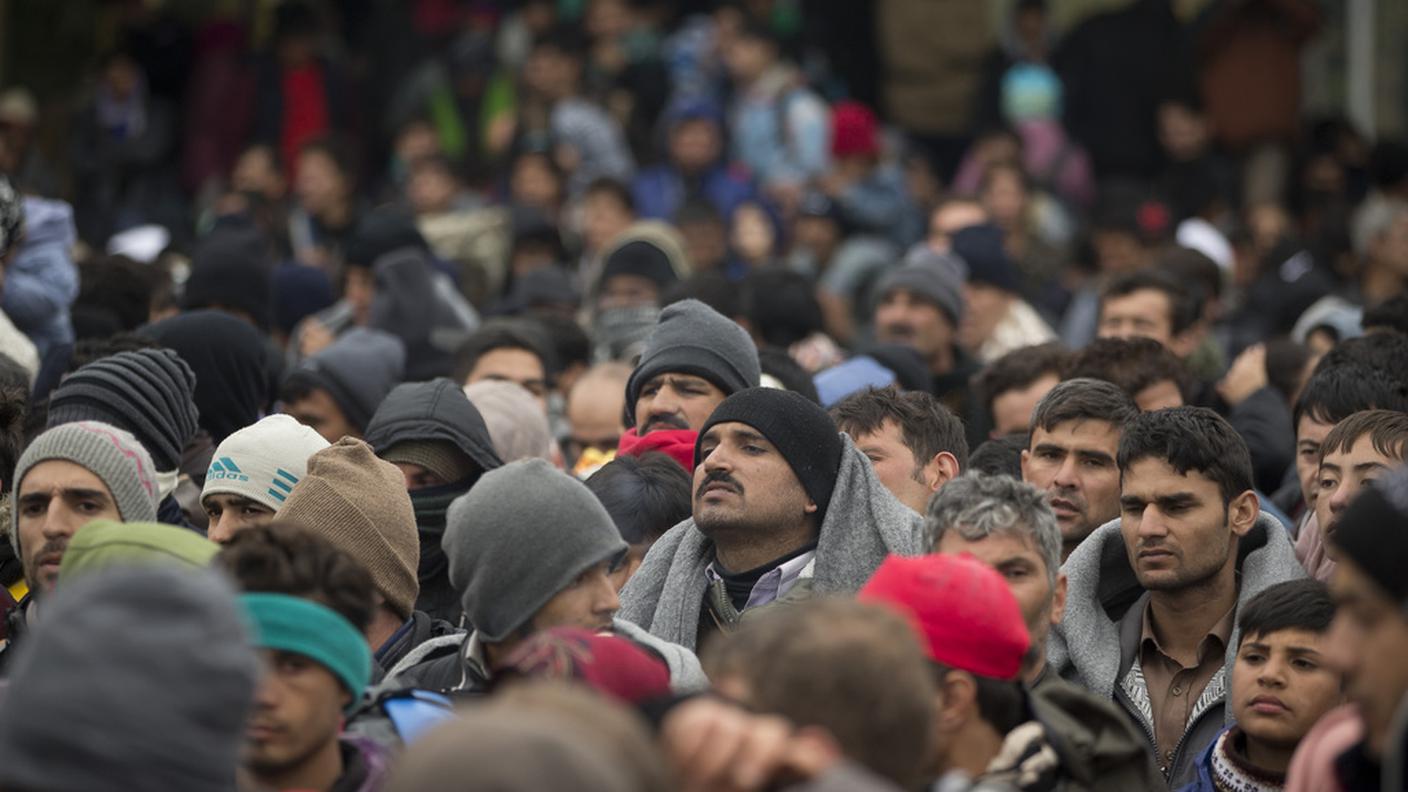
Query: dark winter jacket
x: 1100, y: 750
x: 435, y: 410
x: 417, y: 630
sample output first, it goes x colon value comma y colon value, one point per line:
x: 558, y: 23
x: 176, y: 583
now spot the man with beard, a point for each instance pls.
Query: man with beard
x: 438, y: 440
x: 69, y: 476
x: 693, y: 360
x: 784, y: 506
x: 920, y: 305
x: 1075, y: 434
x: 1153, y: 597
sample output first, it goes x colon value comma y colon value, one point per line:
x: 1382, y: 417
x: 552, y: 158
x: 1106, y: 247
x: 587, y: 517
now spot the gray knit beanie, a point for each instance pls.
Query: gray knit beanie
x: 109, y: 453
x: 936, y: 277
x: 137, y: 678
x: 693, y: 338
x: 148, y: 392
x: 517, y: 539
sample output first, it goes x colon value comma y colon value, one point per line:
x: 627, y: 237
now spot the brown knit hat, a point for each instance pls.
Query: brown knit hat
x: 440, y: 457
x: 360, y: 504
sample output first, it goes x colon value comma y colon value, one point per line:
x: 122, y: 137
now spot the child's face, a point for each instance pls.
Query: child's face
x: 1343, y: 475
x: 1282, y: 684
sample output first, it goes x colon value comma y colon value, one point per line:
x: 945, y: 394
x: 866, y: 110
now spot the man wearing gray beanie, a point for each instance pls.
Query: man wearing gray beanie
x: 529, y: 548
x: 784, y: 506
x: 694, y: 359
x: 920, y: 305
x: 69, y: 476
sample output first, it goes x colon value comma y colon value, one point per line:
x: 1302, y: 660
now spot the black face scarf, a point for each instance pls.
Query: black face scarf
x: 437, y: 596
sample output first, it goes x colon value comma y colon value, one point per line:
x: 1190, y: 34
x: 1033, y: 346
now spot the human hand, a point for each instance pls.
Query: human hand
x: 718, y: 747
x: 1246, y: 376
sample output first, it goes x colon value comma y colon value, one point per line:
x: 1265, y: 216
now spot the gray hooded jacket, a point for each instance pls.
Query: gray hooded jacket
x: 863, y: 524
x: 1095, y: 645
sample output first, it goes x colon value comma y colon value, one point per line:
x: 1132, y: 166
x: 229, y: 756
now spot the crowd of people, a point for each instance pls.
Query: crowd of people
x: 636, y: 396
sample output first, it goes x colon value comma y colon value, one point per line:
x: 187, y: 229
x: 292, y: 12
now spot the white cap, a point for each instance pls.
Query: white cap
x: 263, y: 461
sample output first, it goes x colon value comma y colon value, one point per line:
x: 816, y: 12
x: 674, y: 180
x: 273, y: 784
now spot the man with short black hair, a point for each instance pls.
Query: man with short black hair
x: 914, y: 443
x: 1012, y: 385
x: 1075, y: 435
x: 1154, y: 596
x: 1142, y: 367
x: 1151, y: 304
x: 784, y: 506
x: 511, y: 350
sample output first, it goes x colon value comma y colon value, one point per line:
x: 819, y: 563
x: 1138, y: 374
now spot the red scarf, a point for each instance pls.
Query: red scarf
x: 678, y: 443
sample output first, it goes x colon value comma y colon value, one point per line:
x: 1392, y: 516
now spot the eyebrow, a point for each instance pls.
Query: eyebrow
x: 1176, y: 499
x: 1048, y: 447
x: 1299, y: 651
x: 748, y: 435
x: 1367, y: 466
x: 1098, y: 456
x: 66, y: 492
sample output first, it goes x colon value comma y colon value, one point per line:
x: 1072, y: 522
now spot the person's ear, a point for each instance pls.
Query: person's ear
x: 810, y: 508
x: 1058, y: 599
x: 958, y: 700
x: 1242, y: 513
x: 940, y: 470
x: 1026, y: 457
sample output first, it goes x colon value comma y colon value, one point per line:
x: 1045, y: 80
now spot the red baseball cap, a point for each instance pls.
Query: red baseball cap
x: 962, y: 608
x: 615, y: 666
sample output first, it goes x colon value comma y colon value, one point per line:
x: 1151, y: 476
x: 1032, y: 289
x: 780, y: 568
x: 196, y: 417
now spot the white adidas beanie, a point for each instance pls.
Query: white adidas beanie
x: 262, y: 461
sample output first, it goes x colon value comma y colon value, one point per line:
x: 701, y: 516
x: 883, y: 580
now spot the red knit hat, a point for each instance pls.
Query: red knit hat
x: 610, y: 664
x: 854, y: 131
x: 962, y: 608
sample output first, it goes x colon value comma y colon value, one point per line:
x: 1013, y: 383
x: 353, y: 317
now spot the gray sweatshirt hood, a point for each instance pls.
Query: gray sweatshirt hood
x: 863, y: 524
x: 1101, y: 588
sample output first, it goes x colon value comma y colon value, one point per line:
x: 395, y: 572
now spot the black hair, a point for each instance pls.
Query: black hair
x: 90, y: 349
x: 563, y: 39
x: 1185, y: 304
x: 1132, y: 364
x: 114, y: 292
x: 14, y: 404
x: 1336, y: 392
x: 710, y: 288
x: 1189, y: 266
x: 1019, y: 369
x: 1391, y: 314
x: 1303, y: 604
x: 617, y: 189
x: 1084, y: 399
x: 1188, y: 439
x: 1001, y: 703
x: 781, y: 305
x: 927, y: 426
x: 1384, y: 351
x: 1000, y: 456
x: 1285, y: 366
x: 697, y: 210
x: 570, y: 343
x: 502, y: 334
x: 645, y: 495
x: 336, y: 149
x: 777, y: 363
x: 288, y: 559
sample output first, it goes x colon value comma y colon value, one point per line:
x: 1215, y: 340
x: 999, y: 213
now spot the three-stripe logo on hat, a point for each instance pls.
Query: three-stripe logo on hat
x: 282, y: 485
x: 225, y: 469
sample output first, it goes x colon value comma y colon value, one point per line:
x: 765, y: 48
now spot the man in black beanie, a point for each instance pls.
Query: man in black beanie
x: 1369, y: 636
x: 148, y: 392
x: 784, y: 506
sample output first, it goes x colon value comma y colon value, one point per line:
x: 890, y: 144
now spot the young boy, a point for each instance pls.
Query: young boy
x: 1281, y: 685
x: 1359, y: 450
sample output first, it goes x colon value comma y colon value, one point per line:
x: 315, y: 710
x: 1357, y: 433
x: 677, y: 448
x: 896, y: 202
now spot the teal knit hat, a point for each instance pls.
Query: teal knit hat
x: 293, y: 624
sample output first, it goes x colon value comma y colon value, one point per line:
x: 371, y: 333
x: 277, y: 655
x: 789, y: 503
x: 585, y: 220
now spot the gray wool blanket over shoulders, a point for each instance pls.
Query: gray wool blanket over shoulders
x: 863, y: 524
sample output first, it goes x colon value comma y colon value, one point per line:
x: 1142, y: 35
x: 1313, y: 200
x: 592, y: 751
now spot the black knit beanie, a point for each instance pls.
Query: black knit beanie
x: 802, y: 432
x: 642, y: 259
x: 149, y: 392
x: 1373, y: 533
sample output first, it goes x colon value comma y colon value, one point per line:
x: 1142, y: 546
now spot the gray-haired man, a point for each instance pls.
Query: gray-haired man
x: 1010, y: 526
